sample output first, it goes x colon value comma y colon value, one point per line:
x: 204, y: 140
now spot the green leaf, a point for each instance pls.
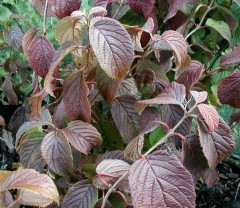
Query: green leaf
x: 220, y: 27
x: 4, y: 13
x: 156, y: 135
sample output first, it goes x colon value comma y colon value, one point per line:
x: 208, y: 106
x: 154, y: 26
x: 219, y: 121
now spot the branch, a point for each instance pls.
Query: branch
x: 44, y: 17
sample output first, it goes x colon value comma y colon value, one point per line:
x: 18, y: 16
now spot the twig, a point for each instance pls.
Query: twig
x: 44, y: 17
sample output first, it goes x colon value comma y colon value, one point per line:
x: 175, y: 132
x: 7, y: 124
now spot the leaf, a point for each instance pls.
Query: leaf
x: 229, y: 90
x: 2, y: 121
x: 142, y: 7
x: 193, y: 158
x: 133, y: 150
x: 57, y: 153
x: 128, y: 87
x: 221, y: 27
x: 237, y: 1
x: 210, y: 116
x: 64, y: 50
x: 31, y: 180
x: 8, y: 139
x: 216, y: 145
x: 40, y: 54
x: 8, y: 201
x: 9, y: 92
x: 96, y: 10
x: 199, y: 97
x: 30, y: 151
x: 211, y: 176
x: 125, y: 117
x: 116, y: 154
x: 5, y: 13
x: 75, y: 92
x: 99, y: 204
x: 40, y: 6
x: 174, y: 6
x: 13, y: 37
x: 82, y: 136
x: 160, y: 180
x: 60, y: 115
x: 106, y: 36
x: 173, y: 94
x: 64, y: 8
x: 231, y: 58
x: 81, y: 194
x: 191, y: 76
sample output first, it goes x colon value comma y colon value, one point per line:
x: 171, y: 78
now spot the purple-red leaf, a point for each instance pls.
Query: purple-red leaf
x: 9, y: 92
x: 133, y: 150
x: 142, y: 7
x: 210, y: 116
x: 191, y: 76
x: 199, y: 97
x: 231, y: 58
x: 216, y: 145
x: 229, y: 90
x: 13, y: 37
x: 40, y: 6
x: 60, y: 115
x: 160, y: 180
x: 40, y: 54
x: 116, y: 154
x: 112, y: 46
x: 81, y: 194
x: 174, y: 6
x: 75, y: 92
x: 63, y: 8
x: 82, y: 136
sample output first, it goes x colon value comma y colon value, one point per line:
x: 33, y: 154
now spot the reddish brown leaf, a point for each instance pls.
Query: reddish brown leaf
x: 142, y: 7
x: 9, y: 92
x: 232, y: 58
x: 216, y: 145
x: 82, y: 136
x: 63, y: 8
x: 191, y: 76
x: 60, y: 116
x: 229, y: 90
x: 160, y: 180
x: 57, y: 153
x: 106, y: 36
x: 128, y: 87
x: 13, y: 37
x: 75, y: 97
x: 211, y: 176
x: 125, y: 117
x: 174, y: 6
x: 40, y: 6
x: 210, y: 116
x: 133, y: 150
x: 116, y: 154
x: 193, y: 158
x: 2, y: 121
x: 199, y: 97
x: 40, y: 55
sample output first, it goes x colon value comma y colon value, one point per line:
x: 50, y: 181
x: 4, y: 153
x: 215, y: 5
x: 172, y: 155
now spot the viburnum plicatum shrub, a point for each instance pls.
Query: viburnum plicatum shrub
x: 131, y: 116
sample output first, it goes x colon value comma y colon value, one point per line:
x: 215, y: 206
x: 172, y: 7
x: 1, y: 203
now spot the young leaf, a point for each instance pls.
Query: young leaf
x: 142, y: 7
x: 231, y: 58
x: 106, y: 36
x: 210, y: 116
x: 199, y: 97
x: 174, y: 6
x: 9, y: 92
x: 160, y: 180
x: 191, y: 76
x: 82, y: 136
x: 40, y: 6
x: 64, y: 8
x: 13, y: 37
x: 57, y: 153
x: 31, y: 180
x: 125, y: 117
x: 75, y: 92
x: 81, y: 194
x: 40, y: 54
x: 229, y: 90
x: 216, y: 145
x: 133, y: 150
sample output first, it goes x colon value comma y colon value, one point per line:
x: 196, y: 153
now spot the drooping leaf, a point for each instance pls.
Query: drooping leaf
x: 160, y: 180
x: 174, y: 6
x: 81, y: 194
x: 116, y: 154
x: 13, y: 37
x: 40, y: 54
x: 30, y: 151
x: 125, y: 117
x: 173, y: 94
x: 75, y: 92
x: 221, y: 27
x: 31, y: 180
x: 82, y: 136
x: 193, y: 158
x: 142, y: 7
x: 216, y: 145
x: 106, y: 36
x: 210, y: 116
x: 57, y: 153
x: 191, y: 76
x: 40, y: 6
x: 9, y: 92
x: 199, y: 97
x: 231, y: 58
x: 229, y: 90
x: 133, y: 150
x: 64, y: 8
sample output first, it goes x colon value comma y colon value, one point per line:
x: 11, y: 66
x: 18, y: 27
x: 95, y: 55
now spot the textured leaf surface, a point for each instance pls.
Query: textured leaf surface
x: 112, y: 45
x: 57, y: 153
x: 116, y: 154
x: 199, y: 97
x: 9, y: 92
x: 81, y: 194
x: 216, y: 145
x: 160, y: 180
x: 14, y: 37
x: 229, y: 90
x: 27, y: 39
x: 231, y: 58
x: 133, y: 150
x: 40, y: 6
x: 210, y: 116
x: 125, y: 117
x: 128, y: 87
x: 63, y: 8
x: 82, y: 136
x: 174, y: 6
x: 60, y: 115
x: 31, y: 180
x: 75, y: 92
x: 40, y: 55
x: 142, y: 7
